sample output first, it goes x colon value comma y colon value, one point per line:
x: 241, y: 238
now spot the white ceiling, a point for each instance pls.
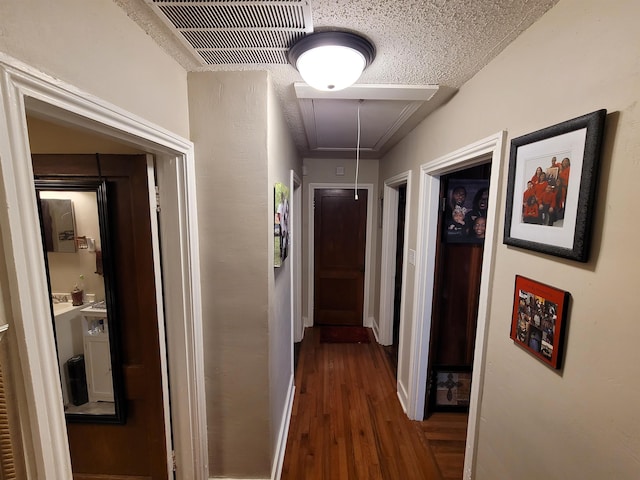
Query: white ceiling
x: 425, y: 51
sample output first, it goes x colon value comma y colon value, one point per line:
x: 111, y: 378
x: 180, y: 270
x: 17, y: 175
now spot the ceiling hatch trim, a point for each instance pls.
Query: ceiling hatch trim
x: 330, y: 118
x: 230, y: 32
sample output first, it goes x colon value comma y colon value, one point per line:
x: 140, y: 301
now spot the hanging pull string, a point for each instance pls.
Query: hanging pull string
x: 358, y: 150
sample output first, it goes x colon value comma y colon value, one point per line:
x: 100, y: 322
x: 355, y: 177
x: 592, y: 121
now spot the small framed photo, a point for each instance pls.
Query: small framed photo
x: 465, y: 211
x: 551, y: 187
x: 280, y: 224
x: 539, y: 317
x: 452, y: 388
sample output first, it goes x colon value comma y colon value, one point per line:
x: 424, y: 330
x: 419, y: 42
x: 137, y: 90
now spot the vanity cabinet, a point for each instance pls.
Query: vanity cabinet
x: 97, y: 354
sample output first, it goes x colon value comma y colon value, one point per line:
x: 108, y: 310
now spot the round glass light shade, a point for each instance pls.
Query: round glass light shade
x: 331, y: 61
x: 331, y: 67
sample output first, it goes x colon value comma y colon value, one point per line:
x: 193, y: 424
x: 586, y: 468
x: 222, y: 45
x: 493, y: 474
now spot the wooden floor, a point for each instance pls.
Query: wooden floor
x: 347, y: 422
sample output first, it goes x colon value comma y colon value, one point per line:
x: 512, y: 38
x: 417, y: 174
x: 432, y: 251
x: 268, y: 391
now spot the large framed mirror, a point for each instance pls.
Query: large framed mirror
x: 74, y: 220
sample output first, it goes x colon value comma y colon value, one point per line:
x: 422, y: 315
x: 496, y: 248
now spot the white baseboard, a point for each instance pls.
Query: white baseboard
x: 283, y: 434
x: 376, y: 331
x: 403, y: 396
x: 370, y: 322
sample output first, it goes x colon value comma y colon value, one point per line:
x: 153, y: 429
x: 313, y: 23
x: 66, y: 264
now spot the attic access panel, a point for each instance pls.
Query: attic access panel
x: 331, y: 118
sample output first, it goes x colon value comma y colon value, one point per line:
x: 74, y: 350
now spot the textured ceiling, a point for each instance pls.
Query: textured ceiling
x: 429, y: 42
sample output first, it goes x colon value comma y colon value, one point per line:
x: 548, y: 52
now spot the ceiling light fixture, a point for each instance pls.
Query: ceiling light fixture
x: 331, y: 61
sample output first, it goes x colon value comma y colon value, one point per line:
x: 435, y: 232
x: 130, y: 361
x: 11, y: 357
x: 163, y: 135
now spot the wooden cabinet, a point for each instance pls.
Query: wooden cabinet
x: 97, y: 354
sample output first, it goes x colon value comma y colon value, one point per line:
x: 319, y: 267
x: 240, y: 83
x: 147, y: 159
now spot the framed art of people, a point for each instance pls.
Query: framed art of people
x: 551, y: 187
x: 538, y: 321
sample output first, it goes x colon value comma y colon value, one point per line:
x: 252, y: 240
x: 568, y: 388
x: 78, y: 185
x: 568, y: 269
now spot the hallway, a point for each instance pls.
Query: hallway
x: 347, y: 422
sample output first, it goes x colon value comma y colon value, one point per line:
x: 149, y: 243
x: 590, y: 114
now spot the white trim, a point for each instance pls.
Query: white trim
x: 361, y: 91
x: 295, y: 238
x: 403, y: 396
x: 489, y: 149
x: 367, y: 262
x: 23, y: 88
x: 162, y: 334
x: 388, y: 271
x: 276, y: 470
x: 388, y: 264
x: 371, y: 323
x: 388, y: 260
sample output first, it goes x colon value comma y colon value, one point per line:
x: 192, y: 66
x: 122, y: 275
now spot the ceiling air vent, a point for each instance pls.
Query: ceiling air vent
x: 226, y: 32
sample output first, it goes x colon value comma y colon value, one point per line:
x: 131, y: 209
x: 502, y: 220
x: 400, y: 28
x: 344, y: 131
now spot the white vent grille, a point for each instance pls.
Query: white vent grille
x: 223, y: 32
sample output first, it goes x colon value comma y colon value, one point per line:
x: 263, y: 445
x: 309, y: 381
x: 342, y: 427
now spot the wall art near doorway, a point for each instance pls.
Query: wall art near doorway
x: 551, y: 187
x: 538, y: 321
x: 465, y: 210
x: 281, y: 224
x: 452, y: 388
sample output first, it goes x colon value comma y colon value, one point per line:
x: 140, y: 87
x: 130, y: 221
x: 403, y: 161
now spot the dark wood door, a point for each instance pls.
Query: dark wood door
x: 455, y: 308
x: 339, y: 256
x: 137, y: 449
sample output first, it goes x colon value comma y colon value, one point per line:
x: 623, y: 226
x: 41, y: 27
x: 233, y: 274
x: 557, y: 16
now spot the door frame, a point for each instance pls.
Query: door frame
x: 295, y: 237
x: 25, y: 89
x: 384, y: 332
x: 492, y: 150
x: 366, y: 321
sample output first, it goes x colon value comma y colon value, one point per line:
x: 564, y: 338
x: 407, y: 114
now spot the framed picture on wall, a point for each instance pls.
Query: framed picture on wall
x: 452, y: 386
x: 551, y: 187
x: 538, y: 321
x: 281, y: 224
x: 465, y: 211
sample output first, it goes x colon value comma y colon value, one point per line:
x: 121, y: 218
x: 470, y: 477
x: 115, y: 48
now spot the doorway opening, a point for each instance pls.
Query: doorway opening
x: 458, y: 270
x: 116, y: 334
x: 488, y: 150
x: 393, y: 349
x: 27, y: 91
x: 349, y: 312
x: 391, y: 327
x: 339, y: 254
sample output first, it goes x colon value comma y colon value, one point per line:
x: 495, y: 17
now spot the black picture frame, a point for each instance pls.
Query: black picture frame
x: 530, y: 223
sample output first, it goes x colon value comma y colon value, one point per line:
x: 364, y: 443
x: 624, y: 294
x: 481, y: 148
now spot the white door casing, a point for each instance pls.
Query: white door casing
x: 295, y: 187
x: 388, y: 260
x: 490, y: 149
x: 24, y: 89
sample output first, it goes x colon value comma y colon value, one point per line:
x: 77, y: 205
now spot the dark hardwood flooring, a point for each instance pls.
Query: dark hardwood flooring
x: 347, y: 422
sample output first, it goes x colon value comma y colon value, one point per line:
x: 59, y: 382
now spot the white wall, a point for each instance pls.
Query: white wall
x: 282, y: 157
x: 97, y: 48
x: 228, y: 114
x: 582, y: 421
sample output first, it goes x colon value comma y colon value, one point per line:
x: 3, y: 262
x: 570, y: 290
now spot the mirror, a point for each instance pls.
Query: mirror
x: 82, y: 298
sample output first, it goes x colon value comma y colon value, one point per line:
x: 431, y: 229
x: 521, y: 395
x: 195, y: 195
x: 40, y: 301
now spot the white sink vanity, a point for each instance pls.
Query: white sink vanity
x: 97, y: 353
x: 84, y: 330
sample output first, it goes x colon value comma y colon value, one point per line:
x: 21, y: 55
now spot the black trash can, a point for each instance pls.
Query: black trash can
x: 77, y: 380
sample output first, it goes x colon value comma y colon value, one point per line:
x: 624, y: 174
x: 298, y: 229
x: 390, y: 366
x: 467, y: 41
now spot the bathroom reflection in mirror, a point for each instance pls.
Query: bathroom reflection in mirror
x: 58, y: 225
x: 82, y: 299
